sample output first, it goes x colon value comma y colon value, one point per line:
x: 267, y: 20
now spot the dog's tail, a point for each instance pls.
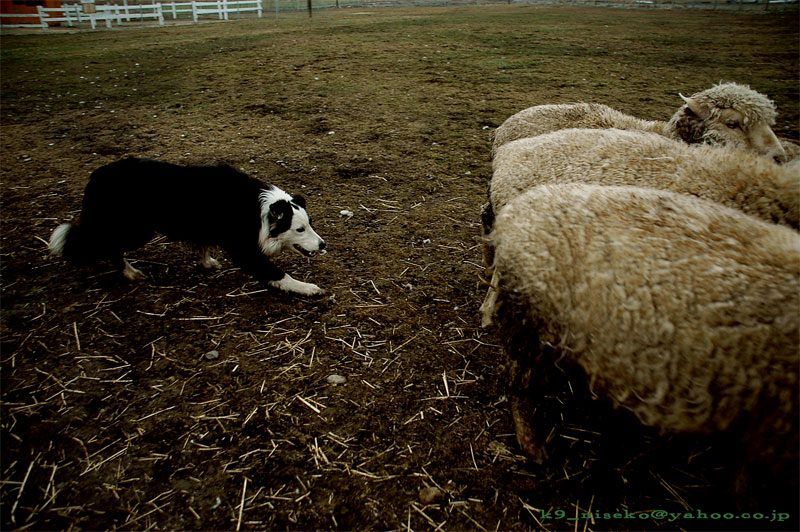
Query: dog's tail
x: 69, y: 241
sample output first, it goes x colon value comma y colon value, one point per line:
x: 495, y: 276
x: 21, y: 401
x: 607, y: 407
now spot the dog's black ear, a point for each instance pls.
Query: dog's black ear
x: 279, y: 217
x: 299, y: 200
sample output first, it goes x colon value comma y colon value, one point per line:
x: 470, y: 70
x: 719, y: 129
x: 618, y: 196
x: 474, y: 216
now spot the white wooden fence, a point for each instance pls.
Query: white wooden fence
x: 70, y: 13
x: 74, y: 14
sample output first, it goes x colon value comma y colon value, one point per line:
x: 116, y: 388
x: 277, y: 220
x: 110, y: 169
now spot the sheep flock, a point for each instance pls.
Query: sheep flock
x: 659, y: 261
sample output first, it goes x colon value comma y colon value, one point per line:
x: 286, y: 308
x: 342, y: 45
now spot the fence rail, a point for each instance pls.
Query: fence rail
x: 75, y: 14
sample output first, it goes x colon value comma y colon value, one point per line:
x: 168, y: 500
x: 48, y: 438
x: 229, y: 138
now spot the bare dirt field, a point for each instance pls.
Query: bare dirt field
x: 113, y: 417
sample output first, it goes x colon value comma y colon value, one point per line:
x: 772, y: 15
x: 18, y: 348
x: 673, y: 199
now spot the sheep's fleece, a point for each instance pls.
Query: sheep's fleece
x: 681, y: 310
x: 727, y: 114
x: 738, y: 179
x: 547, y: 118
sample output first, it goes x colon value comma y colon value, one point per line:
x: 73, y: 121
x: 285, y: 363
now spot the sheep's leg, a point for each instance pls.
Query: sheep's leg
x: 522, y: 412
x: 526, y: 436
x: 487, y: 223
x: 527, y: 370
x: 488, y: 307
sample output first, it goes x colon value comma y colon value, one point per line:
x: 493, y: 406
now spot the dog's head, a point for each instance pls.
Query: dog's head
x: 285, y: 223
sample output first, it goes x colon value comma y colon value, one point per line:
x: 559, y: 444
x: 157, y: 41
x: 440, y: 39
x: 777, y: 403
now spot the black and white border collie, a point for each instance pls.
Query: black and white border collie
x: 127, y: 202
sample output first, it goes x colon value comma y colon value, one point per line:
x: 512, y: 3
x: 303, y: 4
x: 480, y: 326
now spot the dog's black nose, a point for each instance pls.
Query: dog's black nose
x: 322, y: 245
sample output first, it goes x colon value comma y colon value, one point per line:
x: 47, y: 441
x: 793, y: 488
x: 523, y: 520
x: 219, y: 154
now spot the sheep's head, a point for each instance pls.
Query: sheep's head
x: 730, y: 115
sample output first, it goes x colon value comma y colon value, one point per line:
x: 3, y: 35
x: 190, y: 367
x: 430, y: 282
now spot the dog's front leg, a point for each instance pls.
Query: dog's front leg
x: 207, y: 260
x: 290, y: 284
x: 131, y: 273
x: 255, y: 263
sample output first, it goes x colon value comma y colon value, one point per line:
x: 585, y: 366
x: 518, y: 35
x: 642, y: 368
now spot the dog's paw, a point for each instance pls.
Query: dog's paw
x: 308, y: 289
x: 294, y: 286
x: 317, y: 291
x: 211, y: 263
x: 134, y: 275
x: 131, y: 273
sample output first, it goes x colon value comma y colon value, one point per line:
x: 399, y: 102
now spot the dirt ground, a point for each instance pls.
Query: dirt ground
x: 114, y: 416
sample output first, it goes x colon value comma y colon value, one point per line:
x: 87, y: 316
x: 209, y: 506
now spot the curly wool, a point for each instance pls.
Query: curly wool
x: 792, y: 150
x: 613, y: 157
x: 683, y: 311
x: 543, y: 119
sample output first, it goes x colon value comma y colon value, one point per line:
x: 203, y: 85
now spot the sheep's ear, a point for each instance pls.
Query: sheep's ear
x: 695, y: 107
x: 300, y: 201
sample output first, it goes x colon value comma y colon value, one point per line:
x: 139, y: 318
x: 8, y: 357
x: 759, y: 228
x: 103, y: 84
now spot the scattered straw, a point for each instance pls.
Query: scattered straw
x: 472, y: 453
x: 309, y: 405
x: 21, y: 489
x: 474, y: 522
x: 156, y: 413
x: 241, y: 505
x: 75, y: 330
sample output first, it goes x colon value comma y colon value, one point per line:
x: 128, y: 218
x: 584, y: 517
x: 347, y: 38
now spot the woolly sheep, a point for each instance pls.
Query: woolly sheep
x: 727, y: 114
x: 680, y: 310
x: 615, y: 157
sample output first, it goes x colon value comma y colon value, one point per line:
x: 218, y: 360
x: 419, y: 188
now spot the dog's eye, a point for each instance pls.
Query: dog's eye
x: 301, y: 229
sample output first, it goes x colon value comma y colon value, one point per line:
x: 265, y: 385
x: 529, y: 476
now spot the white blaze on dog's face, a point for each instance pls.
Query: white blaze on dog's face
x: 286, y: 224
x: 300, y: 235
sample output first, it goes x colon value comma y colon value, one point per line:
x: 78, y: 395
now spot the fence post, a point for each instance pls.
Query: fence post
x: 77, y: 9
x: 258, y: 4
x: 194, y: 11
x: 42, y: 17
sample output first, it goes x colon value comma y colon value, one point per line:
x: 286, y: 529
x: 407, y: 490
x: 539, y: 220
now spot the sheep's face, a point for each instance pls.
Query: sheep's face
x: 728, y: 127
x: 731, y: 128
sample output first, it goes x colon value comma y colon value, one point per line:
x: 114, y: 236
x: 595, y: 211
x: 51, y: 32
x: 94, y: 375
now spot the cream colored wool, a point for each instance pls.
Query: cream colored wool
x: 683, y: 311
x: 612, y: 157
x: 791, y: 149
x: 728, y: 114
x: 547, y: 118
